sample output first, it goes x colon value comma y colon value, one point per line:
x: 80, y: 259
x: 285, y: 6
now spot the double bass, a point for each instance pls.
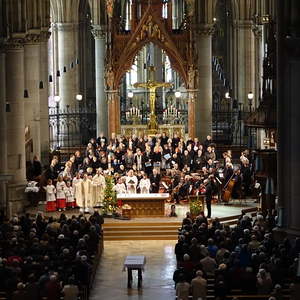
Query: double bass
x: 228, y: 188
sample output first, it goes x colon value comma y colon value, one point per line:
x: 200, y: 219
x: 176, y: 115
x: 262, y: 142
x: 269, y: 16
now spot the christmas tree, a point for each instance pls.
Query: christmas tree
x: 110, y: 197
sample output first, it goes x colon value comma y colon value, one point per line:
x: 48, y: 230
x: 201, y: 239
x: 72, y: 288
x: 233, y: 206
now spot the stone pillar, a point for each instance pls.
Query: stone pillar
x: 67, y: 53
x: 15, y: 118
x: 44, y: 93
x: 3, y: 125
x: 113, y: 112
x: 3, y: 128
x: 15, y: 124
x: 288, y: 116
x: 101, y: 103
x: 192, y: 97
x: 203, y: 104
x: 32, y: 104
x: 245, y: 60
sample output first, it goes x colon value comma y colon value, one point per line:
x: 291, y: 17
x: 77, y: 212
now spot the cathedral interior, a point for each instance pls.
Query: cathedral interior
x: 71, y: 70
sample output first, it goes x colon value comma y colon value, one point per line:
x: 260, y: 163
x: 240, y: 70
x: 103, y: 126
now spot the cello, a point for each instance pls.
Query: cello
x: 227, y: 191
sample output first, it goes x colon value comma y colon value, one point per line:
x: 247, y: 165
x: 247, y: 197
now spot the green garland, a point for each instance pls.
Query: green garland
x: 110, y: 197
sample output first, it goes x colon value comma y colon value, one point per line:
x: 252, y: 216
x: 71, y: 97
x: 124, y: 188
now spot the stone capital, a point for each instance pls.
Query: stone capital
x: 243, y: 24
x: 32, y: 39
x: 67, y: 27
x: 45, y: 35
x: 257, y: 30
x: 98, y: 32
x: 14, y: 44
x: 205, y: 30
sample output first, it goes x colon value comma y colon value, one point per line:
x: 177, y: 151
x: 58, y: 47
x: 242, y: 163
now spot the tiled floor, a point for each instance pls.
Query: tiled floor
x: 111, y: 283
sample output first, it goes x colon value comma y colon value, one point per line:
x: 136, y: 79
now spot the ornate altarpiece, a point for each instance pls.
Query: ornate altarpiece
x: 150, y: 27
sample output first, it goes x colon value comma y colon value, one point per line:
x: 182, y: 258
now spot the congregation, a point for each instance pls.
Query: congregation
x: 48, y: 258
x: 246, y: 258
x: 147, y: 164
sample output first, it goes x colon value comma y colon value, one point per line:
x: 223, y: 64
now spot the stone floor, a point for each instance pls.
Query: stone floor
x: 111, y: 283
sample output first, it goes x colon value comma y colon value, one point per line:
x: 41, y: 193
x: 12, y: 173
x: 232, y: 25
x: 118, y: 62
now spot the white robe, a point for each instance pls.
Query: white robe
x: 76, y: 187
x: 84, y: 193
x: 145, y: 185
x: 98, y: 188
x: 50, y: 192
x: 69, y: 191
x: 120, y: 188
x: 131, y: 187
x: 60, y: 190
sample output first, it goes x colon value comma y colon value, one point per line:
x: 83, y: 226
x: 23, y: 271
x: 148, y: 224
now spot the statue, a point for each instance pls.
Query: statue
x: 109, y: 77
x: 190, y: 7
x: 110, y: 7
x: 192, y: 72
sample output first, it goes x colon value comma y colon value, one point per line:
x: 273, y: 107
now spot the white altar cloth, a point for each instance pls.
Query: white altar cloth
x: 143, y: 196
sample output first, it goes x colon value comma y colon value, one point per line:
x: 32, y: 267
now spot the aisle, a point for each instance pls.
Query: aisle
x: 111, y: 282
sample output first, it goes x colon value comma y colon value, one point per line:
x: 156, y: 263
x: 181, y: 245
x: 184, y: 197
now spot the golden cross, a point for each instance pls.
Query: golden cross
x: 152, y: 85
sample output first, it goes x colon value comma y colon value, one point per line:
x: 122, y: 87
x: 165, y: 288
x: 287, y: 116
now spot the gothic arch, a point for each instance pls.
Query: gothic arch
x: 151, y: 29
x: 131, y: 54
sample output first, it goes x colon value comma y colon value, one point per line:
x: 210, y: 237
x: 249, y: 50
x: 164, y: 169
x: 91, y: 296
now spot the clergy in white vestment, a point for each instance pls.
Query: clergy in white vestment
x: 98, y: 183
x: 145, y: 184
x: 131, y: 182
x: 84, y: 194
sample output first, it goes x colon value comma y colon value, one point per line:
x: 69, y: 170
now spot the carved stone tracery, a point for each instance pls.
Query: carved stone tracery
x: 150, y: 28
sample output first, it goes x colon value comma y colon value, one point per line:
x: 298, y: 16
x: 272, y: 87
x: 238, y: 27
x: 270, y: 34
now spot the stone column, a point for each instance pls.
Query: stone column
x: 67, y: 53
x: 32, y: 104
x: 192, y: 97
x: 44, y: 93
x: 113, y: 112
x: 15, y: 118
x: 245, y: 60
x: 203, y: 104
x: 101, y: 103
x: 15, y: 124
x: 3, y: 128
x: 3, y: 125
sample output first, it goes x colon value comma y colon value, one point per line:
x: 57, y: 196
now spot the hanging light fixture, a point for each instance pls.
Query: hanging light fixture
x: 71, y: 65
x: 130, y: 94
x: 57, y: 98
x: 41, y: 86
x: 227, y: 95
x: 77, y: 61
x: 65, y: 69
x: 177, y: 94
x: 26, y: 95
x: 50, y: 78
x: 79, y: 97
x: 58, y: 73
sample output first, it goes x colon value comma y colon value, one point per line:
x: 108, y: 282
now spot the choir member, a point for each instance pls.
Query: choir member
x: 60, y: 194
x: 131, y: 182
x: 145, y: 184
x: 50, y: 196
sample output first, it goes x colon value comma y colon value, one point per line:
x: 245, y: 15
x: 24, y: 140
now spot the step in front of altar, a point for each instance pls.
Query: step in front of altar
x: 141, y: 231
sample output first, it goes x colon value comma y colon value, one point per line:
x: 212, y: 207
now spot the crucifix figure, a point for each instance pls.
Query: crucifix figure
x: 152, y: 85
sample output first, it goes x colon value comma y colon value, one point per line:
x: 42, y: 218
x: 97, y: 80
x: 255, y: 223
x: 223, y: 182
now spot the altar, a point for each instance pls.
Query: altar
x: 145, y: 205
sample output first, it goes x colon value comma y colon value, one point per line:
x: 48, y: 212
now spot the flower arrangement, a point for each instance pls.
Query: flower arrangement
x: 196, y: 206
